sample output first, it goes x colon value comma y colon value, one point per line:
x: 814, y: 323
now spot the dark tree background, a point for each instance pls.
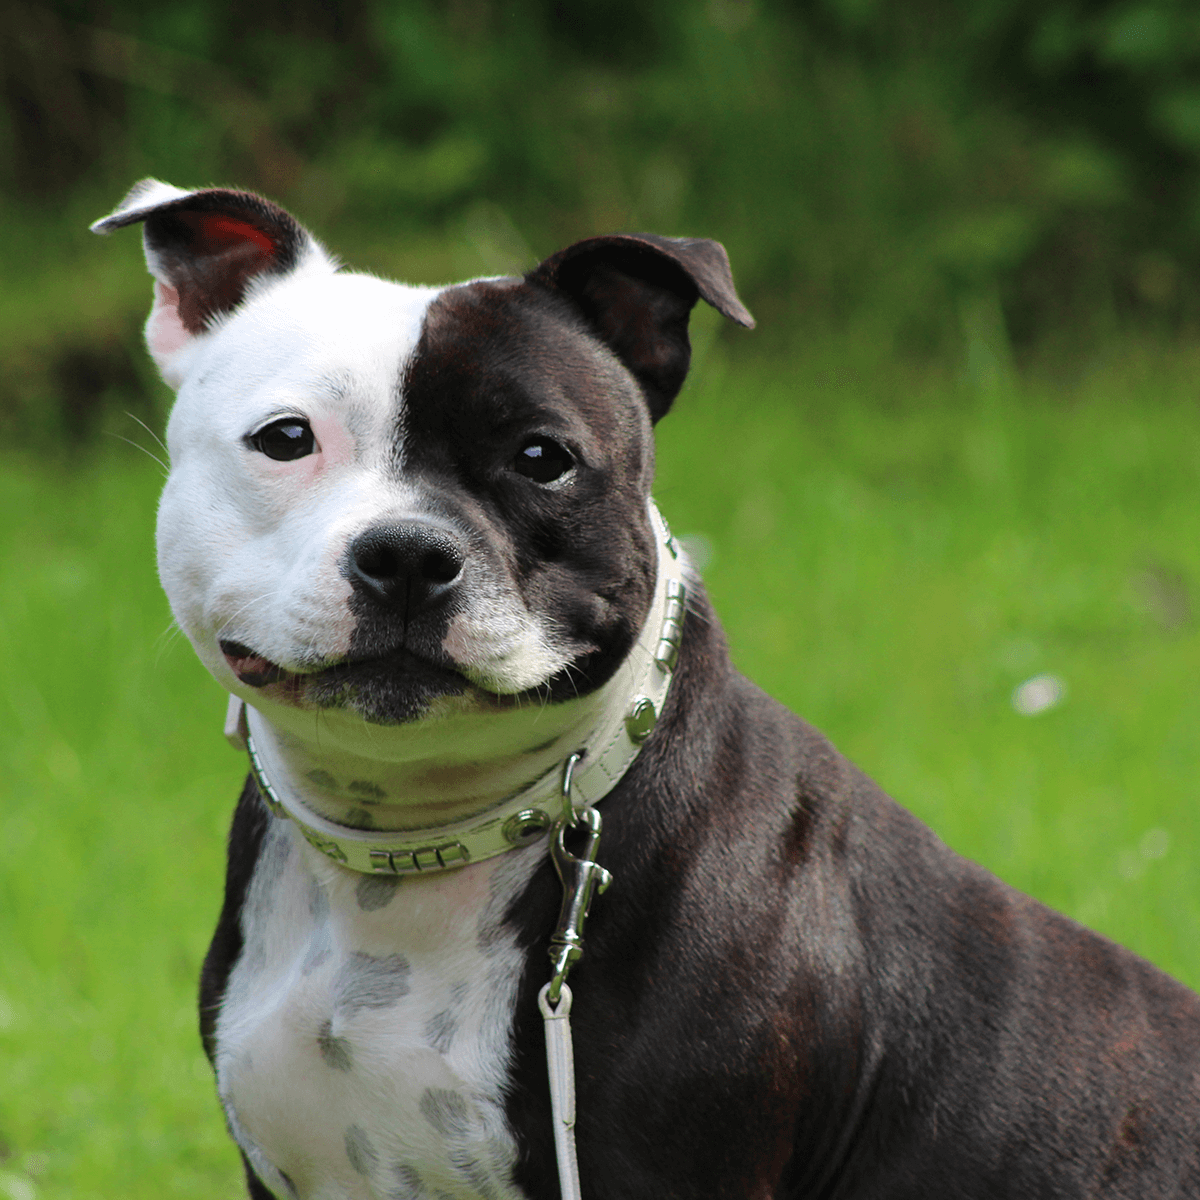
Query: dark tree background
x: 1014, y: 178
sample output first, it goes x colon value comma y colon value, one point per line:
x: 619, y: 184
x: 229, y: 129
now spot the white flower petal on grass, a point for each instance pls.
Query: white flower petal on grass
x: 1038, y: 694
x: 16, y: 1187
x: 1155, y: 843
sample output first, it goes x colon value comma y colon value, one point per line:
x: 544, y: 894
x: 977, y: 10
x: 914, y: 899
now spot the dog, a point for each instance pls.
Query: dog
x: 409, y: 529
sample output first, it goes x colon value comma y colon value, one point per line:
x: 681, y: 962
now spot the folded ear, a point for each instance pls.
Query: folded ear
x: 204, y: 248
x: 636, y: 291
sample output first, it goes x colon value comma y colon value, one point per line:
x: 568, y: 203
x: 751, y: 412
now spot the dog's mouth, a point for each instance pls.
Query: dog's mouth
x: 257, y: 671
x: 252, y: 669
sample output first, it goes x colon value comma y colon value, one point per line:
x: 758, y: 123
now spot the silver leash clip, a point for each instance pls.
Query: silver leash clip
x: 582, y: 877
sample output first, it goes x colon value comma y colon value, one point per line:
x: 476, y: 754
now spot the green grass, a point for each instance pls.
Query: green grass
x: 892, y: 555
x: 116, y: 794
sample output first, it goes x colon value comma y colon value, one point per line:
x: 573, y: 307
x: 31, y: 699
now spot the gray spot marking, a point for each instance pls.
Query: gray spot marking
x: 335, y: 1051
x: 474, y: 1172
x: 376, y: 891
x: 487, y: 936
x: 322, y: 778
x: 440, y: 1030
x: 364, y: 981
x: 272, y: 860
x: 319, y: 950
x: 359, y: 1150
x: 318, y: 900
x: 278, y: 850
x: 446, y: 1111
x: 501, y: 1156
x: 359, y: 818
x: 371, y: 793
x: 408, y: 1183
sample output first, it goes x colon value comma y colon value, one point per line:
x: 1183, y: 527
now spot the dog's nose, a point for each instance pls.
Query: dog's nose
x: 409, y: 565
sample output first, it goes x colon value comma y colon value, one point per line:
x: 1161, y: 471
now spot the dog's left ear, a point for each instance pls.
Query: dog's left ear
x: 636, y: 291
x: 205, y: 249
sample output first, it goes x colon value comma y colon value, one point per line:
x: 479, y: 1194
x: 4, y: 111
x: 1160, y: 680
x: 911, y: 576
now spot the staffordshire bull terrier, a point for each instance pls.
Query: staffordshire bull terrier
x: 409, y: 529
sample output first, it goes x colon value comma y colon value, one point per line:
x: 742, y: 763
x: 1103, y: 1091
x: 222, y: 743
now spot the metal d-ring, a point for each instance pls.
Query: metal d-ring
x: 569, y: 814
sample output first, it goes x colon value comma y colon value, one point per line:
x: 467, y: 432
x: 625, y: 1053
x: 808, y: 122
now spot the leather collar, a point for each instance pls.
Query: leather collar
x: 524, y: 817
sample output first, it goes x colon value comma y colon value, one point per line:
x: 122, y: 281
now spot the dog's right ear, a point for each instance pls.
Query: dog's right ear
x: 205, y: 248
x: 636, y: 291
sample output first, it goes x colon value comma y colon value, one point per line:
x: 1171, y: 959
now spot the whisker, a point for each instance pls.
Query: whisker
x: 249, y: 604
x: 139, y: 446
x: 164, y: 640
x: 150, y: 431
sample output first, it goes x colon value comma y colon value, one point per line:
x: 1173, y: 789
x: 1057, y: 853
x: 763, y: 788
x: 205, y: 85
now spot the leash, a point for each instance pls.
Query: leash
x: 581, y: 879
x: 560, y: 1062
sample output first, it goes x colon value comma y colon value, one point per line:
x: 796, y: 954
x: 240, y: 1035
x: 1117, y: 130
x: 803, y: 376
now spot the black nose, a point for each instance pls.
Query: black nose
x: 410, y: 565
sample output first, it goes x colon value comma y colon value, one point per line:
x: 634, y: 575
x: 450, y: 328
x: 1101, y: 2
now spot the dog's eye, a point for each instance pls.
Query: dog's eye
x: 543, y: 461
x: 284, y: 440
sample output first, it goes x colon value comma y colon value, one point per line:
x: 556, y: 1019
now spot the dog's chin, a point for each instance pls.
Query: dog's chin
x: 394, y: 689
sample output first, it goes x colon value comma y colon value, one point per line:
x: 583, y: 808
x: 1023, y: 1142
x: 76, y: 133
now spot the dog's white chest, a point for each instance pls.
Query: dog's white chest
x: 364, y: 1040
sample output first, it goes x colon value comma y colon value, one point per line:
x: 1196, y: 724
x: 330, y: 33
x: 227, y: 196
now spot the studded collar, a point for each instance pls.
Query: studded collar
x: 585, y: 779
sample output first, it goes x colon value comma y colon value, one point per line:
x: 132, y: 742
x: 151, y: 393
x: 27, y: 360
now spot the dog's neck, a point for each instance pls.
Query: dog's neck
x: 448, y: 776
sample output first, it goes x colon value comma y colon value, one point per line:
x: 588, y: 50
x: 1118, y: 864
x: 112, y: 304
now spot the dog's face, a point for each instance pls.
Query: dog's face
x: 404, y: 501
x: 417, y: 495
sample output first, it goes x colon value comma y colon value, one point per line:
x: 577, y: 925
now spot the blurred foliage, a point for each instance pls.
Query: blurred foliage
x: 977, y: 183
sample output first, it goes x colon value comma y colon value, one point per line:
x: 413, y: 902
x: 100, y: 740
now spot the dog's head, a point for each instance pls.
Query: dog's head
x: 396, y: 499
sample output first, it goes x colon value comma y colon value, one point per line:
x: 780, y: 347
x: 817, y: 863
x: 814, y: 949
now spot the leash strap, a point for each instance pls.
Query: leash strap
x: 560, y: 1060
x: 581, y: 878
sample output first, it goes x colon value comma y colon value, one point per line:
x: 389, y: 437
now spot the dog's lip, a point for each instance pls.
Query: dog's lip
x: 256, y: 670
x: 251, y: 668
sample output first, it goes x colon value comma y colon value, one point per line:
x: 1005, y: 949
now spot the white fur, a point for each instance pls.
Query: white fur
x: 354, y: 1120
x: 248, y: 547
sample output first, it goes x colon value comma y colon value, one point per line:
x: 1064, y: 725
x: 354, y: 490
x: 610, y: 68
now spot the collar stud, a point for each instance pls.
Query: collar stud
x: 640, y: 719
x: 526, y: 826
